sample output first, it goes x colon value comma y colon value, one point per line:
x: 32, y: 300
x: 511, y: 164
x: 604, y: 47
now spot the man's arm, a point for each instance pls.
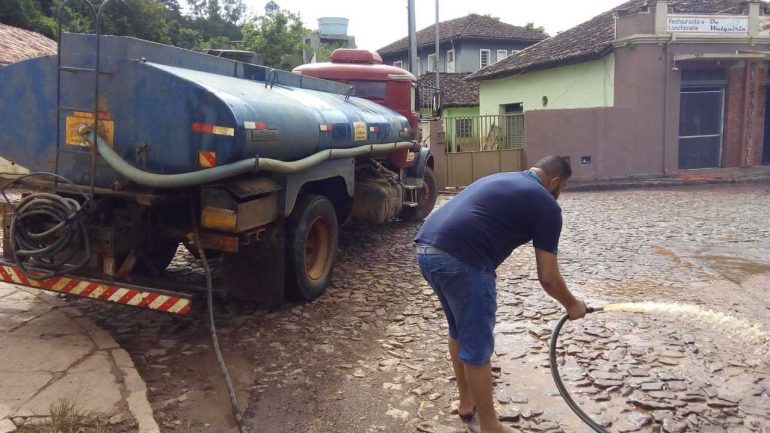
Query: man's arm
x: 550, y: 278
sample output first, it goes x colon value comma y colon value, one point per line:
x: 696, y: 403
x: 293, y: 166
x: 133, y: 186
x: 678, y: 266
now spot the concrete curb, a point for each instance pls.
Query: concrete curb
x: 99, y: 362
x: 649, y: 184
x: 661, y: 183
x: 134, y: 388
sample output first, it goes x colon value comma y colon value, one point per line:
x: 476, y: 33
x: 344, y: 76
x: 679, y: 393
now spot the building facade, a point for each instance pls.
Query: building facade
x: 649, y: 88
x: 466, y: 45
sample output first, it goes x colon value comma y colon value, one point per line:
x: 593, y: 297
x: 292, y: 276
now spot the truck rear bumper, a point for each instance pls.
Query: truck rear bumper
x: 108, y: 291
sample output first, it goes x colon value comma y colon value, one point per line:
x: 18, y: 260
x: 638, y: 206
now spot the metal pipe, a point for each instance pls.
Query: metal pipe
x: 251, y: 165
x: 438, y: 78
x: 412, y: 38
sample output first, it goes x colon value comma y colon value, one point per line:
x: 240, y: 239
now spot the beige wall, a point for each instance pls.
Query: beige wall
x: 584, y: 85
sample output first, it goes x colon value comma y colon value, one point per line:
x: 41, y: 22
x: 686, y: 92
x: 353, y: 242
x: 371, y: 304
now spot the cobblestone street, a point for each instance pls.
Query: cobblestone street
x: 370, y: 355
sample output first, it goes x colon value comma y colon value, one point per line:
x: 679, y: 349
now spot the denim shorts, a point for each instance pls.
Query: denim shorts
x: 468, y: 296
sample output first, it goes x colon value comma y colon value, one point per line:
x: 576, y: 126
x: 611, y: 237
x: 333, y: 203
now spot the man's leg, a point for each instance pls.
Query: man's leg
x: 479, y: 382
x: 466, y: 399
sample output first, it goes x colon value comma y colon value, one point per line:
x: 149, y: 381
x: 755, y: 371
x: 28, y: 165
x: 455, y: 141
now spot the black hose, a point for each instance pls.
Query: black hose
x: 236, y: 407
x: 47, y: 231
x: 557, y: 378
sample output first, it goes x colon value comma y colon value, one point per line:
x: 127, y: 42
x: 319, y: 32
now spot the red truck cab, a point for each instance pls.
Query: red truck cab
x: 362, y: 69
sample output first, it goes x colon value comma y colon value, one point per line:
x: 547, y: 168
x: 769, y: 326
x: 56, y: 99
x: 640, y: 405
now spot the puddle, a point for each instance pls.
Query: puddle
x: 735, y: 269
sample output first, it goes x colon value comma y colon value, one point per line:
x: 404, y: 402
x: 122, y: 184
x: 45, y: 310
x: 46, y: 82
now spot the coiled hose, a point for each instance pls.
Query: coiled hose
x: 47, y: 230
x: 557, y: 378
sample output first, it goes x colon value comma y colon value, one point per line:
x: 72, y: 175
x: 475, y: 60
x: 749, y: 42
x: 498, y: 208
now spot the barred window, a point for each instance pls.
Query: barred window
x: 464, y: 127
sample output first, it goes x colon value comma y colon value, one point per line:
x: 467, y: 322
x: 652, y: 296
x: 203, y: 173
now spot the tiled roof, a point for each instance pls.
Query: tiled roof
x: 592, y: 39
x: 456, y: 91
x: 18, y: 44
x: 472, y: 26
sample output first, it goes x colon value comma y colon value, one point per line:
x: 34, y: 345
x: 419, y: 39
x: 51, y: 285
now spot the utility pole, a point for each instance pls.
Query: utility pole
x: 438, y: 84
x: 412, y: 38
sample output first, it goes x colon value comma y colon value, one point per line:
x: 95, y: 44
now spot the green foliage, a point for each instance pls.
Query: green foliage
x: 144, y: 19
x: 278, y: 36
x: 67, y: 416
x: 28, y: 14
x: 325, y: 51
x: 539, y: 29
x: 230, y: 11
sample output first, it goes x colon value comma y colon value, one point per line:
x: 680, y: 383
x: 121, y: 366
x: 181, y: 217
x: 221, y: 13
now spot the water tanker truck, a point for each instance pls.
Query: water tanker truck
x: 140, y: 147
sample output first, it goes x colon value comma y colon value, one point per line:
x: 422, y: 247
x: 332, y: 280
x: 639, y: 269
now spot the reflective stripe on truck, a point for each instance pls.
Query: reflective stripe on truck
x: 105, y: 291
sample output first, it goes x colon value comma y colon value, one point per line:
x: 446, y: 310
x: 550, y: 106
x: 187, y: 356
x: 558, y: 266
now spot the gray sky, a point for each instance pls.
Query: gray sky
x: 380, y: 22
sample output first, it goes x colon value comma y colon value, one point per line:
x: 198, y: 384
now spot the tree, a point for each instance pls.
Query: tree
x: 271, y: 8
x: 27, y: 14
x: 324, y: 52
x: 539, y: 29
x: 144, y: 19
x: 154, y: 20
x: 230, y: 11
x: 233, y: 10
x: 184, y: 37
x: 278, y: 36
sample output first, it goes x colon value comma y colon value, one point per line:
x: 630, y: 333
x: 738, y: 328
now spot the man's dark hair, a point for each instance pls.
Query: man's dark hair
x: 555, y: 166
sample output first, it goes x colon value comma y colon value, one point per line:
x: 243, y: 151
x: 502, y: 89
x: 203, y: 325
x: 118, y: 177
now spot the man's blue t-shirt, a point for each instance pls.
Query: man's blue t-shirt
x: 493, y: 216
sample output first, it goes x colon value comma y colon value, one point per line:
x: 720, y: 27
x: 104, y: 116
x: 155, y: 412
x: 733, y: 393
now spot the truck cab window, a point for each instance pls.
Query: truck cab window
x: 375, y: 90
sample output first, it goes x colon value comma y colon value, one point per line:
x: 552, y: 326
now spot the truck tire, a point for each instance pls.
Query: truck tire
x: 311, y: 247
x: 426, y: 199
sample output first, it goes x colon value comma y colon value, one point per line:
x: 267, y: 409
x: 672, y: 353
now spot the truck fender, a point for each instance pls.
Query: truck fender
x: 422, y: 160
x: 336, y: 168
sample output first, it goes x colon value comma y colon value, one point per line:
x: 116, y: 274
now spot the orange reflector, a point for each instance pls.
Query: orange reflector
x: 219, y: 219
x: 212, y: 129
x: 207, y: 159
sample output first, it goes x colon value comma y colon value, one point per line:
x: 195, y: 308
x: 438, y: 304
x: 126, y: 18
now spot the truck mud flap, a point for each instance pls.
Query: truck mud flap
x: 108, y: 291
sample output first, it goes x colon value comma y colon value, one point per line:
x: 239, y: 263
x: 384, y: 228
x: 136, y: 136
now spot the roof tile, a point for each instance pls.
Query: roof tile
x: 18, y: 44
x: 592, y: 39
x: 456, y: 91
x: 470, y: 26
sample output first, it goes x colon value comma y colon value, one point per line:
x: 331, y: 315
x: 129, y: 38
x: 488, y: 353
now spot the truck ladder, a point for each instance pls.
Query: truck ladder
x: 96, y: 15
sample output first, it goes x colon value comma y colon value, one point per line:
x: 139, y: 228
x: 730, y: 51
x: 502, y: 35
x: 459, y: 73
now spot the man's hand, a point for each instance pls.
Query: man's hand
x: 577, y: 310
x: 553, y: 283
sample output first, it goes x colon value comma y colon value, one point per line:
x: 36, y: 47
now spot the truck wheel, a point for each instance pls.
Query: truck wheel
x: 426, y: 199
x: 311, y: 242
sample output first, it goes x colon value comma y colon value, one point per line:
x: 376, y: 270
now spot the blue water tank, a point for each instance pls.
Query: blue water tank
x: 166, y: 110
x: 336, y: 26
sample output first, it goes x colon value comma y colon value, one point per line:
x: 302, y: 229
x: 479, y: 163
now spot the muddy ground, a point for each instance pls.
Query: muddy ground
x: 370, y: 355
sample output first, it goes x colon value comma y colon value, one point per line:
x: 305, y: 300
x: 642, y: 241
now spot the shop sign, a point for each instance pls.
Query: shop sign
x: 710, y: 24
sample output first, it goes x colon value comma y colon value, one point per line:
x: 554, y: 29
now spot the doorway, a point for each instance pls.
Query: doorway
x: 701, y: 127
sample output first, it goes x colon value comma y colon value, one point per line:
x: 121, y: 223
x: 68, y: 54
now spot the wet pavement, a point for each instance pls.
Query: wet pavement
x: 370, y: 355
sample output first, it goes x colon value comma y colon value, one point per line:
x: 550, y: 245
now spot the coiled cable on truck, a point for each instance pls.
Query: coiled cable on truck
x: 47, y: 231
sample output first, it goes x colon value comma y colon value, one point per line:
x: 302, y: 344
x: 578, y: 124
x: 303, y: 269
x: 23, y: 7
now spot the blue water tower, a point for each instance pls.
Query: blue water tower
x: 337, y: 26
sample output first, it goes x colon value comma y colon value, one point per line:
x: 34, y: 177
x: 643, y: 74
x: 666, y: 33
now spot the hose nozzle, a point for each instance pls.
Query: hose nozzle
x: 594, y: 309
